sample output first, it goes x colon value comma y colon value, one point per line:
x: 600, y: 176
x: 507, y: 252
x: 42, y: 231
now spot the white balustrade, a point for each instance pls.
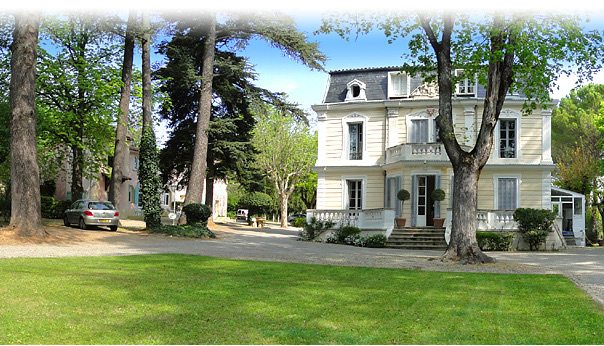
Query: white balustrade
x: 368, y: 219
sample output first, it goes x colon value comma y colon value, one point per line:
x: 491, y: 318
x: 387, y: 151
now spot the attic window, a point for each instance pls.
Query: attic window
x: 355, y: 90
x: 398, y: 84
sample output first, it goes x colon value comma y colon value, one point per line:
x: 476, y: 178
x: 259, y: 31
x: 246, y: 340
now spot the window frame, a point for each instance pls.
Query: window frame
x: 467, y: 83
x: 392, y: 92
x: 496, y: 186
x: 352, y: 119
x: 345, y: 191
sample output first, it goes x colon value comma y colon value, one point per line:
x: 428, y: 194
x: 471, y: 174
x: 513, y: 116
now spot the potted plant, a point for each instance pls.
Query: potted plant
x: 403, y: 195
x: 438, y: 195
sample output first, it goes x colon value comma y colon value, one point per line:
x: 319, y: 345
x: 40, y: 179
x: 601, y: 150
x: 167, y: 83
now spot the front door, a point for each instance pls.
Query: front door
x: 424, y: 204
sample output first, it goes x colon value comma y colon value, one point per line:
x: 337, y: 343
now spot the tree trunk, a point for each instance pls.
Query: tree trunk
x: 463, y: 245
x: 118, y: 172
x: 284, y: 200
x: 26, y: 217
x: 199, y: 164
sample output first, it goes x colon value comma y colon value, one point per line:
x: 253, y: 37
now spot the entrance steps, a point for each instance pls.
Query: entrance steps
x: 418, y: 238
x: 569, y: 237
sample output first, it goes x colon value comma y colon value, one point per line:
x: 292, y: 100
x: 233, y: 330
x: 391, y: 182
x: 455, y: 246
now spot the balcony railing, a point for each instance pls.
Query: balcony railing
x: 416, y: 151
x: 366, y: 219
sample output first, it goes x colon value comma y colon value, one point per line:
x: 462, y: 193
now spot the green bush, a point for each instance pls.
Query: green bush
x: 191, y: 231
x: 347, y: 231
x: 376, y: 240
x: 256, y: 202
x: 197, y: 213
x: 52, y: 208
x: 494, y: 241
x: 299, y: 222
x: 438, y: 195
x: 313, y: 228
x: 534, y: 225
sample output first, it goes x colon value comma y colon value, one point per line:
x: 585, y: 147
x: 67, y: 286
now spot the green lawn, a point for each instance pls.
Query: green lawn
x: 181, y: 299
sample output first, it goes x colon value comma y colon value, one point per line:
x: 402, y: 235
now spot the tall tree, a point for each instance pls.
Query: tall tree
x: 199, y: 164
x: 519, y: 51
x: 118, y: 171
x: 286, y: 151
x: 26, y: 217
x: 577, y: 146
x: 77, y: 85
x: 149, y: 167
x: 237, y: 29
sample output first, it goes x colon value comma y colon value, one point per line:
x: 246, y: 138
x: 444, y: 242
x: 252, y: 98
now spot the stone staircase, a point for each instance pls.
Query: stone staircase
x: 569, y: 237
x: 418, y: 238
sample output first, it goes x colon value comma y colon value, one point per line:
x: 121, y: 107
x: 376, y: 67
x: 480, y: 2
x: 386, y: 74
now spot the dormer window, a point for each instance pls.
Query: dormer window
x: 398, y: 84
x: 355, y: 91
x: 465, y: 86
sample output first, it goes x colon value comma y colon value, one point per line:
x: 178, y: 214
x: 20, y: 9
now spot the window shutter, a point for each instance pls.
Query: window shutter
x: 413, y: 200
x: 437, y: 203
x: 136, y: 195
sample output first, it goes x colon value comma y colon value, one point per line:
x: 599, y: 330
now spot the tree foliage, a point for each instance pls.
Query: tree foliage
x: 286, y: 150
x: 78, y: 80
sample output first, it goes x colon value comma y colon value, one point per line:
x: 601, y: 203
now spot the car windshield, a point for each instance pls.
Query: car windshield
x: 100, y: 206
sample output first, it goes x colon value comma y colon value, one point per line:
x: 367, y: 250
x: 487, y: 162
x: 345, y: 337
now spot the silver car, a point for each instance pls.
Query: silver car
x: 86, y: 213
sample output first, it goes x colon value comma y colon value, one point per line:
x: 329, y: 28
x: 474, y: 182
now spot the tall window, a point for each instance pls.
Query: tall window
x: 355, y: 200
x: 507, y: 193
x: 419, y: 131
x: 355, y: 133
x: 507, y: 138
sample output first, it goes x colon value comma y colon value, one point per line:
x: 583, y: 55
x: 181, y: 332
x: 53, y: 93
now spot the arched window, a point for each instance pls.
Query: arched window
x: 355, y: 91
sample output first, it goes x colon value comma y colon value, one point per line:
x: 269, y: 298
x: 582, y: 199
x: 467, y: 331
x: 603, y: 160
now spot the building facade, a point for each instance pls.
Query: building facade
x: 377, y: 135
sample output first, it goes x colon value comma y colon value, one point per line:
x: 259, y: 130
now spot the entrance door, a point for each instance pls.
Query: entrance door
x: 424, y: 204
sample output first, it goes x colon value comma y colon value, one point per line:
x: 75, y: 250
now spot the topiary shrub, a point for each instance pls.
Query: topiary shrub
x: 197, y: 213
x: 438, y: 195
x: 534, y: 225
x: 494, y: 241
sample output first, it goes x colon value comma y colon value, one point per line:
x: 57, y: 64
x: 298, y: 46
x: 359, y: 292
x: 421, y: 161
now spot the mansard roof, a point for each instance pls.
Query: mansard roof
x: 376, y: 81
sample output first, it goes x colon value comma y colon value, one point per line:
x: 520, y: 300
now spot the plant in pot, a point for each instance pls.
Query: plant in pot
x: 438, y: 195
x: 403, y: 195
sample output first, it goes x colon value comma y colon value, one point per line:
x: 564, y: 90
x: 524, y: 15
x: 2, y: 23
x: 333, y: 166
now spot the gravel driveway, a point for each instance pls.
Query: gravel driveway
x: 584, y: 266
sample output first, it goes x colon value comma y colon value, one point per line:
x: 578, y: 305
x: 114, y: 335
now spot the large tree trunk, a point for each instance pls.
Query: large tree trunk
x: 284, y: 200
x: 77, y: 188
x: 118, y: 172
x: 467, y: 166
x: 26, y: 217
x: 199, y: 164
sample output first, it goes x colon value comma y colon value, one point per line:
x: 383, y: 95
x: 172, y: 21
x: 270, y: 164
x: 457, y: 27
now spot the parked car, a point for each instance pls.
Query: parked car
x: 292, y: 217
x: 242, y: 214
x: 87, y: 213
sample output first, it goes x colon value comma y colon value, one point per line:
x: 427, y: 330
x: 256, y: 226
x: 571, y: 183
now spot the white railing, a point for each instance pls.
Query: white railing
x: 490, y: 220
x: 416, y: 151
x: 368, y: 219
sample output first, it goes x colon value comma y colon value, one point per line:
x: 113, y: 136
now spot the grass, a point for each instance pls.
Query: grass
x: 182, y: 299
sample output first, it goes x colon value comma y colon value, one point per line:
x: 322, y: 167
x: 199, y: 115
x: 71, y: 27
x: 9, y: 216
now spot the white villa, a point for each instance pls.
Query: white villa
x: 377, y: 135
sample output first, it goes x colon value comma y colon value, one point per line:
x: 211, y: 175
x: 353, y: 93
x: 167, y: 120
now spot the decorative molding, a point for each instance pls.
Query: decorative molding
x: 425, y: 90
x: 392, y: 112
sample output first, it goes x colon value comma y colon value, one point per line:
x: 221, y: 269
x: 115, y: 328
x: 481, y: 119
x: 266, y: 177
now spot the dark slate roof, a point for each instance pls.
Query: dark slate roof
x: 376, y: 82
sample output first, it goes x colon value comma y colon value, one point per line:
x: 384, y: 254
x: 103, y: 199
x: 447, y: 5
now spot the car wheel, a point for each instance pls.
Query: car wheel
x: 113, y: 228
x: 66, y: 221
x: 82, y: 224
